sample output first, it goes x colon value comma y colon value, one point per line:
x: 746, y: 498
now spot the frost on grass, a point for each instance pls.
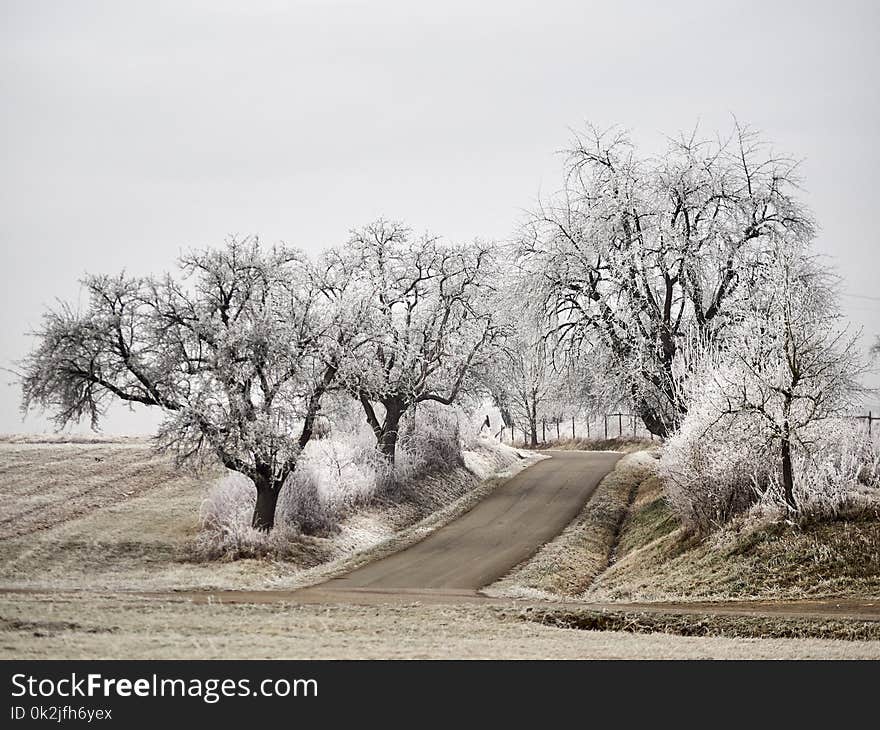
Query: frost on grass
x: 345, y: 495
x: 225, y: 518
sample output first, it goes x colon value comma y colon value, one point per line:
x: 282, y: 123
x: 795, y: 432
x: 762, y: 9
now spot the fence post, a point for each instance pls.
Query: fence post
x: 870, y: 418
x: 606, y: 426
x: 620, y: 425
x: 634, y: 426
x: 572, y: 428
x: 543, y: 430
x: 588, y: 426
x: 557, y: 427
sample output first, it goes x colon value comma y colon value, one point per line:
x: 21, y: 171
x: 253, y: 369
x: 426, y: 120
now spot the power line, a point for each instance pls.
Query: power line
x: 862, y: 296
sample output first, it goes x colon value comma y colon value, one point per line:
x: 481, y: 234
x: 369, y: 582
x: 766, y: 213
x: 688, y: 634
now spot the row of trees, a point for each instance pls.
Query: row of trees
x: 638, y: 255
x: 239, y: 348
x: 656, y: 280
x: 689, y: 279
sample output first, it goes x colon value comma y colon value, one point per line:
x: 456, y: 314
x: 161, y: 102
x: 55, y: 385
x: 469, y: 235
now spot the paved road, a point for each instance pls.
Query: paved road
x: 502, y: 530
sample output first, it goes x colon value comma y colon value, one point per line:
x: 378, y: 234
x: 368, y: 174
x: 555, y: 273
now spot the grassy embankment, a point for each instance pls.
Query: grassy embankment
x: 626, y: 545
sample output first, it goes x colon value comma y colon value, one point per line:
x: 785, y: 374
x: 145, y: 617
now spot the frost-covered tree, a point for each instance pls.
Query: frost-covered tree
x: 235, y: 350
x: 635, y: 252
x: 427, y: 322
x: 767, y: 399
x: 525, y: 380
x: 794, y: 364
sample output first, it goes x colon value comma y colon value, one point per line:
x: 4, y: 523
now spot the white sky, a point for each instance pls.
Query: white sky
x: 132, y: 130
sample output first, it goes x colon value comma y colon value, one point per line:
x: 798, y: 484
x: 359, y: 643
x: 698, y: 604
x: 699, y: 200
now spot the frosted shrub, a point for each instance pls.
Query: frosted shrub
x: 434, y: 444
x: 716, y: 468
x: 840, y: 476
x: 229, y: 503
x: 301, y: 504
x: 333, y: 476
x: 225, y: 520
x: 712, y: 470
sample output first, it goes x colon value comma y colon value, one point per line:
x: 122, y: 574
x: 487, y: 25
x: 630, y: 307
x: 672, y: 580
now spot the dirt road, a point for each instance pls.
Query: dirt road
x: 501, y: 531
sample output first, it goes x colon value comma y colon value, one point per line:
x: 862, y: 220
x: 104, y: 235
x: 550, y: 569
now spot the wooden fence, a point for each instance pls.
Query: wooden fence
x: 609, y: 425
x: 869, y: 419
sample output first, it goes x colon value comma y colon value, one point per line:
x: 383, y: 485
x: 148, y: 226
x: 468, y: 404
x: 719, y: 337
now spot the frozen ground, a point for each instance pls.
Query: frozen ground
x: 109, y: 517
x: 88, y: 626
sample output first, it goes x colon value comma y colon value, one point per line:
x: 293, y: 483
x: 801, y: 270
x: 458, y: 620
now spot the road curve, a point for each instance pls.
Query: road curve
x: 502, y: 530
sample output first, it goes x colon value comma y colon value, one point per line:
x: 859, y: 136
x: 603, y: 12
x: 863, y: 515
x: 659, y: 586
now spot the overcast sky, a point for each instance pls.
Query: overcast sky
x: 133, y: 130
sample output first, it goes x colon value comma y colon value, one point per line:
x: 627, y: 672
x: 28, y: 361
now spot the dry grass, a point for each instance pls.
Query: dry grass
x: 748, y: 560
x: 757, y: 627
x: 757, y: 555
x: 117, y: 627
x: 648, y: 519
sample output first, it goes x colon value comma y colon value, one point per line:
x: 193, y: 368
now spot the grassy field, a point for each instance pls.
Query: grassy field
x: 111, y: 514
x: 108, y: 518
x: 94, y: 626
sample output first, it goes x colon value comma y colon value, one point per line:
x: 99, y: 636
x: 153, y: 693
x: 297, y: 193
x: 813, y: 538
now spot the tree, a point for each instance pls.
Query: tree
x: 526, y: 377
x: 428, y: 329
x: 636, y: 254
x: 523, y: 380
x: 236, y: 352
x: 791, y: 365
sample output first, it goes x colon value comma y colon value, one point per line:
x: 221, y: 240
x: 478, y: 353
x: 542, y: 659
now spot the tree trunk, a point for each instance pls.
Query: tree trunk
x: 503, y: 409
x: 533, y: 425
x: 386, y: 432
x: 663, y: 414
x: 788, y: 472
x: 654, y: 421
x: 264, y: 509
x: 314, y: 405
x: 387, y: 438
x: 387, y: 443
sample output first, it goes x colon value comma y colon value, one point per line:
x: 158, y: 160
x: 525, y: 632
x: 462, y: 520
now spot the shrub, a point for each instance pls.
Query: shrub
x: 432, y: 444
x: 715, y: 467
x: 301, y: 505
x: 839, y: 476
x: 225, y: 519
x: 332, y: 477
x: 712, y: 470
